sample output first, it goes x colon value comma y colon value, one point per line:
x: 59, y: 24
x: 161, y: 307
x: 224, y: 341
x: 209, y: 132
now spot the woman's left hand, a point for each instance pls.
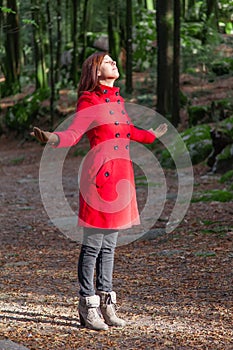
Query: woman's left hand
x: 160, y: 130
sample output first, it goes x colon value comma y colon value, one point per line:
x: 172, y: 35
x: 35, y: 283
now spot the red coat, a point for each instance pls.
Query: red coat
x: 107, y: 195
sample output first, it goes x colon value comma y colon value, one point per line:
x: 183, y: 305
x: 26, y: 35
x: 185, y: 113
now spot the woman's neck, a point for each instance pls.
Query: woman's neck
x: 107, y: 82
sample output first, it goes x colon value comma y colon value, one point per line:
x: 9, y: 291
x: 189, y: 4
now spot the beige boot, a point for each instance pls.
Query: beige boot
x: 108, y: 309
x: 89, y: 313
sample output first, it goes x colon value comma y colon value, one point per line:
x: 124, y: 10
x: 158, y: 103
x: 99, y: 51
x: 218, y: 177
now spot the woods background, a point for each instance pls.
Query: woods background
x: 175, y: 57
x: 44, y: 43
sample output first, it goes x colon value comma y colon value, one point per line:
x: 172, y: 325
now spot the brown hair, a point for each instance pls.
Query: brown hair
x: 89, y: 76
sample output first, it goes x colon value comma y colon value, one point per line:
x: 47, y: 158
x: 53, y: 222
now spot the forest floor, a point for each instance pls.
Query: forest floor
x: 175, y: 291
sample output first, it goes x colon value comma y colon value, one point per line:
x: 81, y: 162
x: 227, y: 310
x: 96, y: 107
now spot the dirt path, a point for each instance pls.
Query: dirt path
x: 175, y: 291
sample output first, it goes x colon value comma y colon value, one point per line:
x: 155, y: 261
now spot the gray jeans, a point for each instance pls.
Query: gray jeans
x: 97, y: 252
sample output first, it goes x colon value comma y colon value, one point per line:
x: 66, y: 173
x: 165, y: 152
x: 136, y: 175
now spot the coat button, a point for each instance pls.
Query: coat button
x: 128, y: 122
x: 105, y: 91
x: 117, y: 134
x: 116, y: 148
x: 123, y: 112
x: 127, y: 146
x: 117, y: 93
x: 107, y: 174
x: 128, y: 135
x: 118, y: 101
x: 111, y: 112
x: 107, y: 99
x: 116, y: 122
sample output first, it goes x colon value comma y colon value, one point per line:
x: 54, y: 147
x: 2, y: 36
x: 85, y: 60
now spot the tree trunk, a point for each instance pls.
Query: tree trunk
x: 168, y: 75
x: 210, y: 21
x: 184, y: 8
x: 150, y: 4
x: 83, y: 34
x: 59, y: 42
x: 39, y: 38
x: 129, y: 51
x: 165, y: 36
x: 12, y: 48
x: 35, y: 18
x: 51, y: 75
x: 74, y: 64
x: 211, y: 6
x: 68, y: 13
x: 114, y: 32
x: 141, y: 3
x: 1, y: 40
x: 176, y: 66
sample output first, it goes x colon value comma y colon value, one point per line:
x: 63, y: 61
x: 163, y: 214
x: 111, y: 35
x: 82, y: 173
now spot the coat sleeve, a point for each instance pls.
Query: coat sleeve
x: 141, y: 135
x: 81, y: 122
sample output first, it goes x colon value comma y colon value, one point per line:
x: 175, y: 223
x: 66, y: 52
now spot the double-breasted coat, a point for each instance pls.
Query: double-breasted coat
x: 107, y: 195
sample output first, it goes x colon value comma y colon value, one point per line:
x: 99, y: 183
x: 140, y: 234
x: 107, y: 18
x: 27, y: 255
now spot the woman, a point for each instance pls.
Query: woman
x: 107, y: 191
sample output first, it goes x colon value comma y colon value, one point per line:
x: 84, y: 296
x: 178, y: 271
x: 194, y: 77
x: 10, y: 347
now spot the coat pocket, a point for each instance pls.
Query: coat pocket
x: 104, y: 174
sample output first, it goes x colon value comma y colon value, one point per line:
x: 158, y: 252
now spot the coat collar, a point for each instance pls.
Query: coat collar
x: 108, y: 90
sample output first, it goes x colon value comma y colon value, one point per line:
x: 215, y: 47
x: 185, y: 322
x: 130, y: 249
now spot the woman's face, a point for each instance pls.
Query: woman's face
x: 108, y: 69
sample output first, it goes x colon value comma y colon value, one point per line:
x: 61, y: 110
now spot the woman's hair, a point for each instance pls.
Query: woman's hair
x: 89, y: 75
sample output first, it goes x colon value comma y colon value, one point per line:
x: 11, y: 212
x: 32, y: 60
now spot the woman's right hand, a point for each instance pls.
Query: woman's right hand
x: 45, y: 136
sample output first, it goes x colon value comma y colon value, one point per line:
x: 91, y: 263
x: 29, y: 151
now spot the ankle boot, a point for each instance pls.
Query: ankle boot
x: 89, y: 313
x: 108, y: 309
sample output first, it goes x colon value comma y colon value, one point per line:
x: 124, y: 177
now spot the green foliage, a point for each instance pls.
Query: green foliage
x: 229, y: 28
x: 216, y: 111
x: 198, y: 142
x: 226, y: 153
x: 197, y: 114
x: 226, y: 126
x: 144, y: 39
x: 42, y: 77
x: 7, y: 10
x: 18, y: 160
x: 213, y: 195
x: 194, y: 53
x: 146, y: 100
x: 184, y: 100
x: 227, y: 177
x: 219, y: 230
x: 30, y: 21
x: 205, y: 254
x: 198, y: 29
x: 20, y: 116
x: 222, y: 109
x: 222, y: 66
x: 9, y: 89
x: 224, y: 160
x: 225, y: 9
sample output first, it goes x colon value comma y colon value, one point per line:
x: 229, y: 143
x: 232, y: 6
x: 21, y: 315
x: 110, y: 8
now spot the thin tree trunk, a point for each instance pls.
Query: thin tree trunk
x: 67, y: 20
x: 184, y: 8
x: 12, y: 48
x: 52, y: 83
x: 114, y: 32
x: 176, y: 65
x: 129, y: 51
x: 149, y: 4
x: 210, y: 20
x: 74, y: 64
x: 35, y: 17
x: 38, y: 38
x: 42, y: 40
x: 1, y: 40
x: 83, y: 36
x: 212, y: 8
x: 59, y: 42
